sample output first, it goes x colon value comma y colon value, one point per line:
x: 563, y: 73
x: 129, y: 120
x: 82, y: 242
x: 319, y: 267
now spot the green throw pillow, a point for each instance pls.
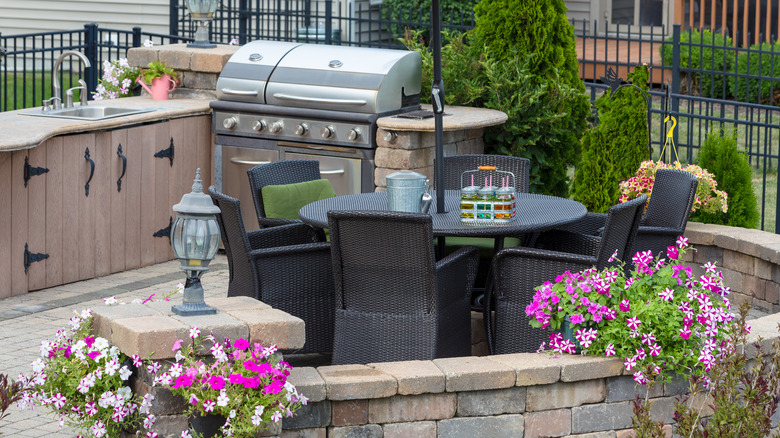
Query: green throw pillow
x: 284, y: 201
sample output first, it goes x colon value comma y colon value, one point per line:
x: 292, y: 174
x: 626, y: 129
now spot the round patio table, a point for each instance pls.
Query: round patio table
x: 533, y: 213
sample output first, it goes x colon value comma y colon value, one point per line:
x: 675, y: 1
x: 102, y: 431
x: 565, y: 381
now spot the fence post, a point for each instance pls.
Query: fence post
x: 91, y: 52
x: 243, y: 18
x: 328, y: 21
x: 173, y: 17
x: 676, y: 77
x: 136, y: 36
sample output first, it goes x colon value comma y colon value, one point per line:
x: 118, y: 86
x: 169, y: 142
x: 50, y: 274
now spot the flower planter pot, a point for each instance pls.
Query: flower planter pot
x: 568, y: 335
x: 207, y: 425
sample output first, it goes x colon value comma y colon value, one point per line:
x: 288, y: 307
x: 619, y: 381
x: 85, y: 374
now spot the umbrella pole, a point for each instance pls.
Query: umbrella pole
x: 437, y: 98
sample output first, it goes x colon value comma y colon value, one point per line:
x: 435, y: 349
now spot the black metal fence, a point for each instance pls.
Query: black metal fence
x: 329, y: 22
x: 28, y: 62
x: 704, y: 86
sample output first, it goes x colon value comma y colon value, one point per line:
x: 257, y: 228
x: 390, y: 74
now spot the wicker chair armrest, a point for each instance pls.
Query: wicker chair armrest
x: 290, y: 250
x: 661, y: 231
x: 275, y: 222
x: 290, y: 234
x: 455, y: 275
x: 592, y: 224
x: 569, y: 242
x: 534, y: 265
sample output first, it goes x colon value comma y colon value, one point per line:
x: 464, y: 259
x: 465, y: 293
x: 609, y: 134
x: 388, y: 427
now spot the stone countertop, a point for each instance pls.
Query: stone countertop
x: 24, y: 132
x: 455, y: 118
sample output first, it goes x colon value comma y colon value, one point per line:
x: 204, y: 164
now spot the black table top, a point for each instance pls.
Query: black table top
x: 533, y: 213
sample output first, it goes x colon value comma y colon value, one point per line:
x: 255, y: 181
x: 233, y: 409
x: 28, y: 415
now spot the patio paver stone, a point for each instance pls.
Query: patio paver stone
x: 414, y: 377
x: 350, y: 382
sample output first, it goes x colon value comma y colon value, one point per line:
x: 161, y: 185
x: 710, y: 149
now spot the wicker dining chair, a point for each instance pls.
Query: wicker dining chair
x: 665, y: 219
x: 454, y: 166
x: 517, y: 271
x: 284, y: 267
x: 394, y: 301
x: 279, y: 173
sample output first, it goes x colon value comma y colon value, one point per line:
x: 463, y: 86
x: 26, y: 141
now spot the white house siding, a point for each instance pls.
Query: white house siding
x: 30, y: 16
x: 580, y: 13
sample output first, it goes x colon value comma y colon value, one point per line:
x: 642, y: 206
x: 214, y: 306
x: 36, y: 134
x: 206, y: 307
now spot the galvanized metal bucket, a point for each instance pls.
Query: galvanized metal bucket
x: 407, y: 191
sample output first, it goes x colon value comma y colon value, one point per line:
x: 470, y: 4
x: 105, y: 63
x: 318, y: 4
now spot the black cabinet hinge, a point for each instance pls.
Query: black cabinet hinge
x: 165, y: 232
x: 166, y: 153
x: 32, y: 257
x: 30, y: 171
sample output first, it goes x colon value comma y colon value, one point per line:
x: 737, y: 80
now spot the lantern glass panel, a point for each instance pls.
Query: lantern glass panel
x: 195, y: 238
x: 202, y: 8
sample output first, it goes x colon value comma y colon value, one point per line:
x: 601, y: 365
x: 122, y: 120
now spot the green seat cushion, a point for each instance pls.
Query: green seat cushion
x: 284, y: 201
x: 484, y: 244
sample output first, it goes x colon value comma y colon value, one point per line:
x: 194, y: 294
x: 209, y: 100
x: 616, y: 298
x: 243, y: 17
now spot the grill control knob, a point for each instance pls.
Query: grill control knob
x: 354, y: 134
x: 230, y: 123
x: 259, y: 126
x: 276, y: 127
x: 302, y: 129
x: 327, y: 132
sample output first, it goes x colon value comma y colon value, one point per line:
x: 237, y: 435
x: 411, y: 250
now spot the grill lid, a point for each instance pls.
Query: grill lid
x: 333, y: 78
x: 244, y: 77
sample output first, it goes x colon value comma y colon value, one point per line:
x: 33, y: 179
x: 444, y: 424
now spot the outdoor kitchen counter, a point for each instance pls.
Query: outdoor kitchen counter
x: 25, y: 132
x: 455, y: 118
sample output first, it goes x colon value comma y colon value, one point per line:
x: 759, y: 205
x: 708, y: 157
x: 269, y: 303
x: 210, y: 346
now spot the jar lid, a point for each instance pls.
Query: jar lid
x: 470, y: 189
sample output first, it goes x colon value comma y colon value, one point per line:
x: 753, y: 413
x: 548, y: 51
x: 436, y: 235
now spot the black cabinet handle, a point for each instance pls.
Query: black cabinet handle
x: 124, y: 168
x: 91, y: 172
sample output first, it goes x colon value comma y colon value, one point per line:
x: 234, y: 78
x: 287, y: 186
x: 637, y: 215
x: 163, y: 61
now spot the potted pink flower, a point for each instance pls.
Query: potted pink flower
x: 243, y: 387
x: 660, y: 318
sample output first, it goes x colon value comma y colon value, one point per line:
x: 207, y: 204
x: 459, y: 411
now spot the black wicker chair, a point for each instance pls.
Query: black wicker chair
x: 668, y: 209
x: 279, y: 173
x: 517, y: 271
x: 284, y: 267
x: 454, y: 167
x: 394, y: 301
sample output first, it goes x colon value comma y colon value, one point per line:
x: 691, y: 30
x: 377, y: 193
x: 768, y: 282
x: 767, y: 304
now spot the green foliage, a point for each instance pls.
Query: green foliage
x: 763, y: 60
x: 545, y: 114
x: 157, y: 69
x: 742, y: 390
x: 706, y: 51
x: 531, y: 26
x: 419, y: 11
x: 615, y: 147
x: 719, y: 154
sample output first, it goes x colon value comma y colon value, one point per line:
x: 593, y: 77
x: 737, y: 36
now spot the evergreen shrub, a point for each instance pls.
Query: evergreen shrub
x: 707, y: 52
x: 719, y: 154
x: 540, y: 126
x: 411, y: 11
x: 759, y: 60
x: 613, y: 148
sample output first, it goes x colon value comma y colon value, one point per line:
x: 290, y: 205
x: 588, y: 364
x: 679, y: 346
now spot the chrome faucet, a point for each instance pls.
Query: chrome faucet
x: 56, y: 100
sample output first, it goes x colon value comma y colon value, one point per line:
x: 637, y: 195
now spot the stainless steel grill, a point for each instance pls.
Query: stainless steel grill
x: 279, y: 100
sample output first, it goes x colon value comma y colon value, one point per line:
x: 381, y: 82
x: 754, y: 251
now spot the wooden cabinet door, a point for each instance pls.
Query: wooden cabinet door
x: 13, y: 223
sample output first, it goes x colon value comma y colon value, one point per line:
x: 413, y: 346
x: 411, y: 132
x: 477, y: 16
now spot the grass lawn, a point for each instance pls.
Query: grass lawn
x: 18, y: 91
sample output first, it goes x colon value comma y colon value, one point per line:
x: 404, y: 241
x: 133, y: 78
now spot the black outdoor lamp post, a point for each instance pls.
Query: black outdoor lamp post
x: 195, y: 240
x: 202, y: 11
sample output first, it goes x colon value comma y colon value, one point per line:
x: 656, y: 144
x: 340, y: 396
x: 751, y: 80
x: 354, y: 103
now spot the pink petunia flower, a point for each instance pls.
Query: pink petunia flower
x: 610, y: 350
x: 208, y: 405
x: 176, y: 345
x: 241, y: 344
x: 633, y: 323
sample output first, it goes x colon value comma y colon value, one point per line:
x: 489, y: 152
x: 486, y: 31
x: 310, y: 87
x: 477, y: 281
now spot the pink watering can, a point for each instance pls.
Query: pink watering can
x: 160, y: 86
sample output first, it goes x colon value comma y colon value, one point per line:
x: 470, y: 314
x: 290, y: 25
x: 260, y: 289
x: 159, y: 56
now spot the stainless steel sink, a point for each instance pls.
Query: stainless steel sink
x: 88, y: 112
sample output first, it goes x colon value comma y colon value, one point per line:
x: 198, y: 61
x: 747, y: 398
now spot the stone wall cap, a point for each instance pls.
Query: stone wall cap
x: 414, y: 377
x: 456, y: 118
x: 475, y: 374
x: 308, y: 382
x: 353, y: 382
x: 530, y: 368
x: 577, y: 367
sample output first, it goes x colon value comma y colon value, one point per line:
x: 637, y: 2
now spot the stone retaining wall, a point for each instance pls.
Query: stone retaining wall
x: 749, y: 259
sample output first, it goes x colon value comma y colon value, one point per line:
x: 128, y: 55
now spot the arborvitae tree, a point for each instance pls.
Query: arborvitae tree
x: 719, y: 154
x: 614, y: 148
x: 537, y: 32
